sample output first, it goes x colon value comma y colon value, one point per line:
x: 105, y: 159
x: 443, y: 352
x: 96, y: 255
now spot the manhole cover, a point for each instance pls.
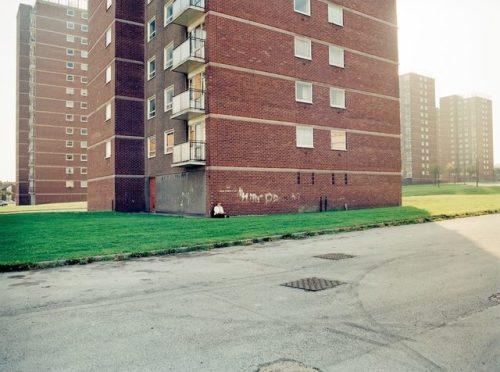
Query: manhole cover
x: 313, y: 284
x: 335, y: 256
x: 286, y: 366
x: 495, y: 297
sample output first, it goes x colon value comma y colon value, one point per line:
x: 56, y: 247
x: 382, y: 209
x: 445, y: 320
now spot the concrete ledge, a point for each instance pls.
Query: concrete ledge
x: 224, y: 244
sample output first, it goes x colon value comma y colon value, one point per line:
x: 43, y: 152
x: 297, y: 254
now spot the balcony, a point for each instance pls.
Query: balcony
x: 189, y: 55
x: 188, y: 105
x: 189, y: 154
x: 185, y: 12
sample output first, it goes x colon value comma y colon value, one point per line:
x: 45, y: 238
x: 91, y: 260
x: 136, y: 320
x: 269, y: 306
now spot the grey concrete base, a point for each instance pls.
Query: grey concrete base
x: 416, y: 299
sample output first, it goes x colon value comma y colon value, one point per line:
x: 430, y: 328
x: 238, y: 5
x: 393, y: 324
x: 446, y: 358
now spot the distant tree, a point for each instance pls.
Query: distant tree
x: 450, y: 168
x: 436, y: 173
x: 471, y: 172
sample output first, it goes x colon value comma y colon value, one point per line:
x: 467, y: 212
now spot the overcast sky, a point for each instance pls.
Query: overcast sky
x: 454, y: 41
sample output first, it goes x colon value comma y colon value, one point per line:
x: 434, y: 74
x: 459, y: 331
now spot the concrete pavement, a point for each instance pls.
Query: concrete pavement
x: 416, y: 298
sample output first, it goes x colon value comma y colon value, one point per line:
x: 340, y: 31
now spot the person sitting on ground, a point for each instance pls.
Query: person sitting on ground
x: 219, y: 211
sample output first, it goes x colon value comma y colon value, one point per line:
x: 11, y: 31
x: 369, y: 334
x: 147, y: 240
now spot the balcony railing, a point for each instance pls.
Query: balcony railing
x: 189, y: 55
x: 188, y: 105
x: 185, y: 12
x: 189, y: 154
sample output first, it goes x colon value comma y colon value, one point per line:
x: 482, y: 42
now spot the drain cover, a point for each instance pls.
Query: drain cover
x: 335, y: 256
x: 313, y: 284
x: 495, y: 297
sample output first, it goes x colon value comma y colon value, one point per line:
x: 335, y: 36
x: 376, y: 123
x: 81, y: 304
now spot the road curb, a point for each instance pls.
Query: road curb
x: 224, y: 244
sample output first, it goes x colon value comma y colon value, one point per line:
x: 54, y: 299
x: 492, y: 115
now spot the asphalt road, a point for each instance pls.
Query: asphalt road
x: 415, y: 298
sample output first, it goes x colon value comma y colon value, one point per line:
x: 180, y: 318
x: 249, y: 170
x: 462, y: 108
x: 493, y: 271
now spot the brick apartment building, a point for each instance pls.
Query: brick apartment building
x: 465, y: 131
x: 265, y: 106
x: 52, y: 107
x: 419, y: 152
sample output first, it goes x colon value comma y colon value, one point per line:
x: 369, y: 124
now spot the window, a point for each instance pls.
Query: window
x: 305, y: 137
x: 108, y: 37
x: 70, y: 12
x: 151, y: 29
x: 70, y: 91
x: 169, y: 141
x: 70, y: 38
x: 70, y: 104
x: 303, y: 48
x: 83, y: 144
x: 83, y: 118
x: 168, y: 98
x: 69, y: 157
x: 108, y: 74
x: 168, y: 13
x: 84, y: 131
x: 337, y: 98
x: 151, y: 147
x: 84, y: 79
x: 335, y: 15
x: 84, y: 92
x: 83, y: 157
x: 70, y: 184
x: 303, y: 92
x: 84, y: 41
x: 302, y: 6
x: 85, y: 15
x: 84, y: 28
x: 70, y: 65
x: 70, y: 52
x: 168, y: 56
x: 69, y: 117
x: 70, y: 78
x: 70, y: 170
x: 83, y: 184
x: 107, y: 153
x: 151, y: 107
x: 151, y: 67
x: 108, y: 111
x: 108, y: 4
x: 85, y: 54
x: 338, y: 140
x: 69, y: 130
x: 83, y: 170
x: 70, y: 25
x: 336, y: 56
x: 83, y: 105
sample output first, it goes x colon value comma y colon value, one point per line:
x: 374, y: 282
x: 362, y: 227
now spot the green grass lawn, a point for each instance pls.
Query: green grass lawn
x: 29, y: 237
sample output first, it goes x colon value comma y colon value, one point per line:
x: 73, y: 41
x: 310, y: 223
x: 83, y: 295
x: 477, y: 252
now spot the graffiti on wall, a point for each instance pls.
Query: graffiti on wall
x: 267, y: 198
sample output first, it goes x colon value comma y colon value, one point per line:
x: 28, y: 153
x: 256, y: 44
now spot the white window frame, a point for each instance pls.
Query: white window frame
x: 70, y: 104
x: 70, y: 91
x: 151, y: 114
x: 151, y: 34
x: 84, y: 28
x: 334, y: 92
x: 70, y: 117
x: 84, y: 54
x: 306, y: 11
x: 338, y: 140
x: 304, y: 137
x: 83, y: 144
x: 69, y: 130
x: 84, y: 132
x: 83, y: 170
x: 108, y: 112
x: 166, y: 149
x: 70, y: 65
x: 70, y: 12
x: 107, y: 150
x: 84, y: 67
x: 166, y: 20
x: 83, y: 157
x: 167, y: 63
x: 70, y: 52
x: 69, y: 157
x: 297, y: 41
x: 84, y: 118
x: 70, y: 77
x: 167, y: 106
x: 84, y: 105
x: 303, y: 84
x: 335, y: 14
x: 70, y: 38
x: 70, y: 25
x: 108, y: 38
x: 83, y: 184
x: 108, y: 76
x: 151, y: 73
x: 69, y: 143
x: 150, y: 153
x: 84, y: 92
x: 336, y: 56
x: 84, y: 41
x: 84, y: 80
x: 70, y: 170
x: 85, y: 15
x: 70, y: 184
